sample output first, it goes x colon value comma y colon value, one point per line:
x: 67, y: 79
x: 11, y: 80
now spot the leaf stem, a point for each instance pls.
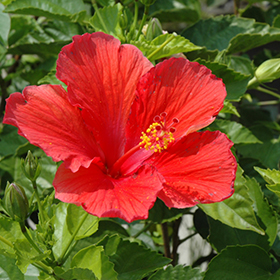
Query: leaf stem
x: 188, y: 237
x: 43, y: 267
x: 147, y: 226
x: 25, y: 232
x: 268, y: 92
x: 61, y: 259
x: 161, y: 47
x: 146, y: 11
x: 96, y: 9
x: 7, y: 242
x: 266, y: 103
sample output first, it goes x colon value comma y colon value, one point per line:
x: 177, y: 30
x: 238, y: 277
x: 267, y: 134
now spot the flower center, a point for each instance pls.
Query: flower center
x: 158, y: 135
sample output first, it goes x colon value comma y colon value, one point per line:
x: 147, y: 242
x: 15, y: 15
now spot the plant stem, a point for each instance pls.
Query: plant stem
x: 164, y: 228
x: 142, y: 230
x: 41, y: 212
x: 7, y: 242
x: 26, y: 234
x: 188, y: 237
x: 266, y: 103
x: 160, y: 48
x: 175, y: 241
x: 43, y: 267
x: 142, y: 22
x: 66, y: 248
x: 268, y: 92
x: 99, y: 16
x: 236, y: 7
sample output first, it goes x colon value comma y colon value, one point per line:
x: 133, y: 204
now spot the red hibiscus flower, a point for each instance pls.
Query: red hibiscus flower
x: 126, y: 130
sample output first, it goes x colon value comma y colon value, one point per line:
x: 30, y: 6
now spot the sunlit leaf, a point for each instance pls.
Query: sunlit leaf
x: 236, y: 211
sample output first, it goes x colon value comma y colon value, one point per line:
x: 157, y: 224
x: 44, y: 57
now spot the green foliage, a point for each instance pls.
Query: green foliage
x: 231, y: 34
x: 66, y: 242
x: 237, y: 211
x: 108, y: 21
x: 178, y: 272
x: 240, y: 262
x: 164, y: 45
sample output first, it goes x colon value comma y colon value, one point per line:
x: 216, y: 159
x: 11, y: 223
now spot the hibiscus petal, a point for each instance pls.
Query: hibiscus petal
x: 101, y: 76
x: 128, y: 198
x: 184, y: 90
x: 45, y: 117
x: 199, y: 168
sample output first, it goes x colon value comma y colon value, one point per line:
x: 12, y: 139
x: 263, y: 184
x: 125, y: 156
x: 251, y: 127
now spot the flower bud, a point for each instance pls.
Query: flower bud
x: 268, y: 71
x: 15, y: 202
x: 154, y: 29
x: 31, y: 167
x: 148, y: 2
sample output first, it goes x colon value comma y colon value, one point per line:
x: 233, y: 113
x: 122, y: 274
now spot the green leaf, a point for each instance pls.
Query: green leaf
x: 11, y: 231
x: 263, y: 210
x: 10, y: 140
x: 132, y: 261
x: 231, y: 33
x: 94, y: 258
x: 61, y: 235
x: 110, y: 21
x: 160, y: 213
x: 9, y: 270
x: 229, y: 108
x: 164, y: 45
x: 75, y: 273
x: 268, y: 152
x: 180, y: 10
x: 236, y: 83
x: 236, y: 211
x: 51, y: 78
x: 108, y: 228
x: 47, y: 41
x: 272, y: 177
x: 241, y: 64
x: 241, y: 262
x: 236, y: 132
x: 74, y: 215
x: 5, y: 25
x: 222, y: 235
x: 26, y: 254
x: 65, y: 221
x: 178, y: 272
x: 71, y: 10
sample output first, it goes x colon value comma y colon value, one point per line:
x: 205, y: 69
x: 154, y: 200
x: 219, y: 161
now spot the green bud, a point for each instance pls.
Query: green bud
x: 267, y: 72
x: 15, y: 202
x: 154, y: 29
x: 31, y: 167
x: 148, y: 2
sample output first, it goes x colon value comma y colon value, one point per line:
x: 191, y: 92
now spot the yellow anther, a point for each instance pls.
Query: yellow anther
x: 156, y: 138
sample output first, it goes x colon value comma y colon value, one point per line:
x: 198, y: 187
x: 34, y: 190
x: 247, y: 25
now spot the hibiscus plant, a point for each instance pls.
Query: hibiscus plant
x: 139, y: 140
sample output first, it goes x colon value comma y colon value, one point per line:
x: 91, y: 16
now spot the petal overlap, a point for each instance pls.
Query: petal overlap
x: 128, y: 198
x: 199, y: 168
x: 101, y: 76
x: 45, y: 117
